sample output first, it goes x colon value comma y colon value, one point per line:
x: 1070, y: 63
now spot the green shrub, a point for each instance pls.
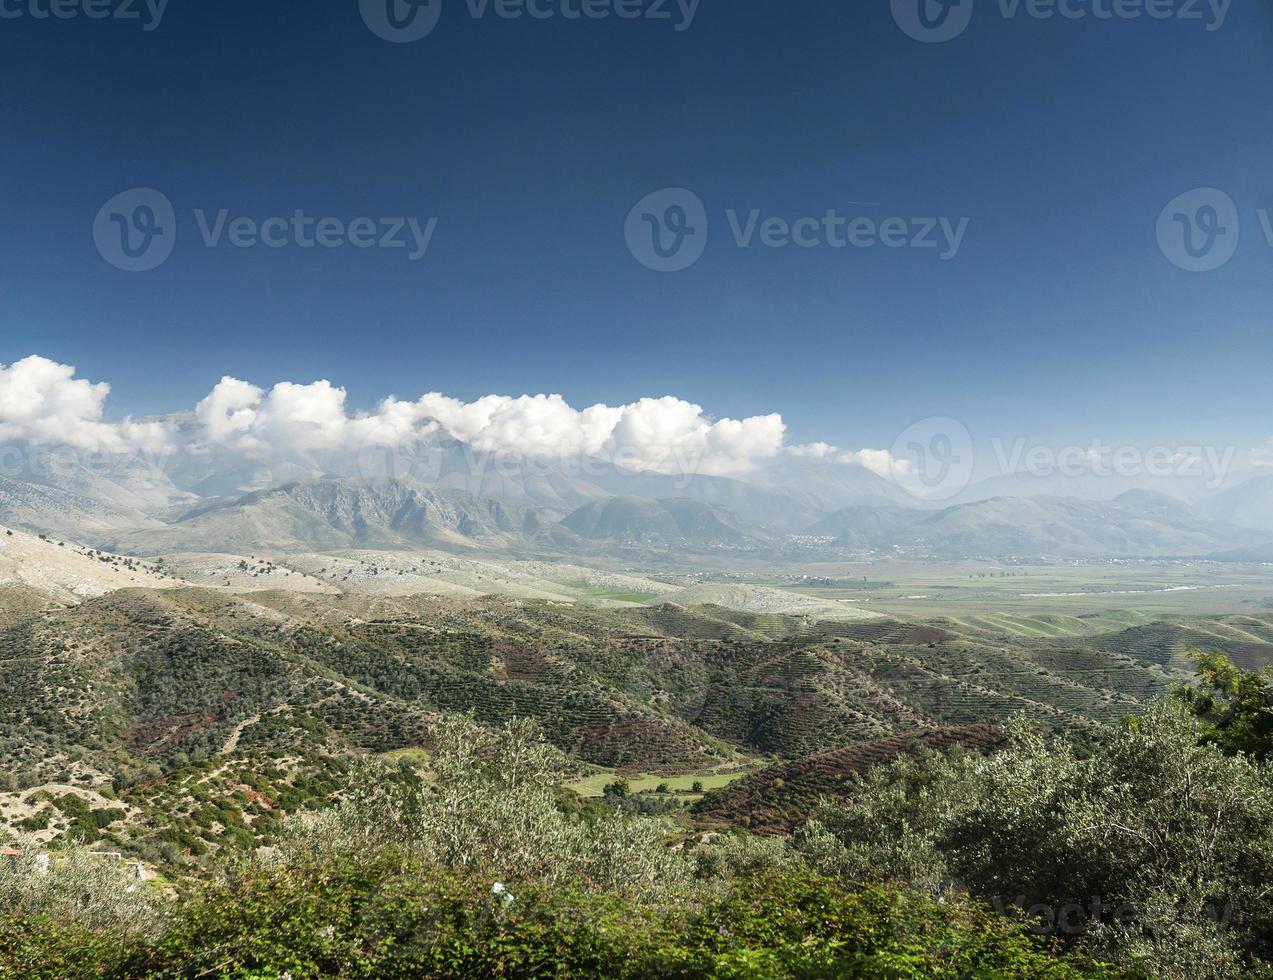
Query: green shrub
x: 390, y: 916
x: 1154, y: 848
x: 492, y: 809
x: 1235, y: 707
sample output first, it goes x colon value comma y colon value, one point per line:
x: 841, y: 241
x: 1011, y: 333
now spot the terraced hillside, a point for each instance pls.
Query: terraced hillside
x: 1246, y: 640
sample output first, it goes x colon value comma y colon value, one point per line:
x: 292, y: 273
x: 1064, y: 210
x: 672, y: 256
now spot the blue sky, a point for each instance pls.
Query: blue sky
x: 529, y: 141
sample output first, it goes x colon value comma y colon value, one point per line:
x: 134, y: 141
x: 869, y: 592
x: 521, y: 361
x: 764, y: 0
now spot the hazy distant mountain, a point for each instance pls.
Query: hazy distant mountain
x: 83, y: 496
x: 529, y: 481
x: 833, y: 485
x: 1137, y: 524
x: 778, y: 508
x: 128, y: 482
x: 1160, y: 505
x: 1193, y: 483
x: 666, y: 523
x: 523, y: 482
x: 1256, y: 554
x: 1249, y: 504
x: 867, y: 528
x: 331, y: 514
x: 458, y: 498
x: 1133, y: 525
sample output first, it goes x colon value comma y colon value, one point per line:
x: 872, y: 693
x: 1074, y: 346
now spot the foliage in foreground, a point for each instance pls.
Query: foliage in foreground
x: 393, y: 917
x: 478, y: 872
x: 1154, y: 848
x: 492, y: 807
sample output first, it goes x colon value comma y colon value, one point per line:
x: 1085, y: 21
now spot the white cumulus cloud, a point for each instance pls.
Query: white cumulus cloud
x: 42, y: 401
x: 881, y: 462
x: 666, y: 435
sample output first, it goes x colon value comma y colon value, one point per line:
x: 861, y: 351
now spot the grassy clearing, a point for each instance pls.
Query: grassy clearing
x: 419, y: 758
x: 594, y: 785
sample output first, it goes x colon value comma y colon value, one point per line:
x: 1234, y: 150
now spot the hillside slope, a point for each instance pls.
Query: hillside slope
x: 67, y: 573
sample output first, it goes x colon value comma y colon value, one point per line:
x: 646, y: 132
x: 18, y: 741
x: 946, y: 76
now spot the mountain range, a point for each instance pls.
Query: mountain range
x: 450, y: 497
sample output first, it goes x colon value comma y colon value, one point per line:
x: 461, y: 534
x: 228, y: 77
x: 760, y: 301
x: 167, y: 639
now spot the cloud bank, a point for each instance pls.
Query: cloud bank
x: 43, y: 402
x: 659, y: 434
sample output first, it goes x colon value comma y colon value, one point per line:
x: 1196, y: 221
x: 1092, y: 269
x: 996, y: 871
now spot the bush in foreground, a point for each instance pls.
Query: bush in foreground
x: 479, y: 872
x: 392, y: 917
x: 1153, y: 849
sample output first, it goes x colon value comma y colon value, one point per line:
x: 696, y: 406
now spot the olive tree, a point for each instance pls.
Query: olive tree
x: 79, y: 886
x: 1155, y: 845
x: 489, y: 804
